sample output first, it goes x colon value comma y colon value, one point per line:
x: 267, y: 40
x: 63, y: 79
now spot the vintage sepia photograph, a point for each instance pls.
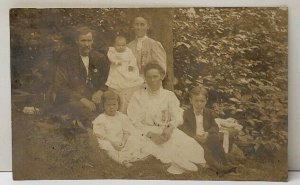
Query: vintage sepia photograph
x: 150, y: 93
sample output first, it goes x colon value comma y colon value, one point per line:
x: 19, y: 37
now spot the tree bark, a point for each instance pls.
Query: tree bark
x: 162, y: 24
x: 161, y: 30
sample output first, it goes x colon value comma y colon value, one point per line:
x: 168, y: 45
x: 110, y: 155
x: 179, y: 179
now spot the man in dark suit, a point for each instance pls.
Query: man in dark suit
x: 80, y: 79
x: 199, y: 123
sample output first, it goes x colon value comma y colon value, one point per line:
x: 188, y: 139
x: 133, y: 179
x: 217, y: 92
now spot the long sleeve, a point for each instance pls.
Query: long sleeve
x: 127, y: 125
x: 135, y: 111
x: 71, y: 82
x: 158, y: 53
x: 100, y: 132
x: 111, y: 54
x: 175, y: 111
x: 186, y: 127
x: 104, y: 68
x: 132, y: 59
x: 62, y: 86
x: 209, y: 119
x: 133, y: 63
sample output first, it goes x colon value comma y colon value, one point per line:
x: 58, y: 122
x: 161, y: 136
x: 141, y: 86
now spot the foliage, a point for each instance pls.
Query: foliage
x: 39, y: 36
x: 240, y: 55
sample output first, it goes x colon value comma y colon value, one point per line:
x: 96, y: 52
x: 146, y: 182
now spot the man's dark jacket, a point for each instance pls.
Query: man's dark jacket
x: 71, y: 82
x: 213, y: 149
x: 189, y: 122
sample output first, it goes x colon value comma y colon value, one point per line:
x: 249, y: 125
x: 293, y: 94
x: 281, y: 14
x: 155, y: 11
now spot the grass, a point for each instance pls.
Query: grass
x: 41, y: 151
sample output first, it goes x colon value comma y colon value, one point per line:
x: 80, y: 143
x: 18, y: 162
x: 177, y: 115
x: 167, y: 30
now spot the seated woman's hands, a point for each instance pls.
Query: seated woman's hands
x: 201, y: 138
x: 163, y: 137
x: 156, y: 138
x: 167, y: 132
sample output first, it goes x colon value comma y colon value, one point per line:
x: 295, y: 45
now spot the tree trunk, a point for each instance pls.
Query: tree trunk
x: 161, y: 30
x: 162, y: 24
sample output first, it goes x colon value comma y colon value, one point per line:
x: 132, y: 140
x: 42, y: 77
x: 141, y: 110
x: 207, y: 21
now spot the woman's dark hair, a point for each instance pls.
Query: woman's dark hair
x: 145, y: 16
x: 154, y: 65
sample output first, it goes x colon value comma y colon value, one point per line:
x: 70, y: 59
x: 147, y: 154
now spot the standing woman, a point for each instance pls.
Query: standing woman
x: 144, y: 48
x: 156, y: 113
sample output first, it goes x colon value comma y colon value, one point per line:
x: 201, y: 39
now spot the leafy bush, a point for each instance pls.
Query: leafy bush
x: 240, y: 55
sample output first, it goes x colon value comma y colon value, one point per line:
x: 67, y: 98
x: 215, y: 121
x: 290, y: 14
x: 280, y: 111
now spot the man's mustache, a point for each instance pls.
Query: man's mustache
x: 87, y: 47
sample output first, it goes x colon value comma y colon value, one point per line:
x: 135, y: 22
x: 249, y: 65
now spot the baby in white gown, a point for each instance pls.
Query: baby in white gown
x: 124, y: 78
x: 115, y: 133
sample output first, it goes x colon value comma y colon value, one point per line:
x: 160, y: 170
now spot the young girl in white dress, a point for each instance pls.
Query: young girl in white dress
x: 124, y: 77
x: 115, y: 133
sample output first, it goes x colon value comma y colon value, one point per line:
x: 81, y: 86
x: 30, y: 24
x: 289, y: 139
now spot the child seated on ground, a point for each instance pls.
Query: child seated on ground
x: 199, y: 123
x: 124, y: 78
x: 115, y: 133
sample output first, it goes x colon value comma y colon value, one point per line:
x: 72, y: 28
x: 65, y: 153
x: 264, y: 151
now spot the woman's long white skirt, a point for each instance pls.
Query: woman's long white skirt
x: 180, y: 150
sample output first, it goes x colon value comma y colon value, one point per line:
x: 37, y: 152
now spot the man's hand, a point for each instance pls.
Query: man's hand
x: 89, y: 104
x: 92, y: 138
x: 201, y: 138
x: 96, y: 98
x: 214, y: 130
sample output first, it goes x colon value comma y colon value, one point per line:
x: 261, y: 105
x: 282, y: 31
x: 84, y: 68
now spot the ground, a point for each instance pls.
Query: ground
x: 42, y: 151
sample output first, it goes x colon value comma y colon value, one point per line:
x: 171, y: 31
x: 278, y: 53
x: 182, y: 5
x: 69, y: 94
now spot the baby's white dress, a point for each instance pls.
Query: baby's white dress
x: 120, y: 77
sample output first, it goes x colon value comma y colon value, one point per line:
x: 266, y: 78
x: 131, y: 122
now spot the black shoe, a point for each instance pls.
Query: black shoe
x: 222, y: 169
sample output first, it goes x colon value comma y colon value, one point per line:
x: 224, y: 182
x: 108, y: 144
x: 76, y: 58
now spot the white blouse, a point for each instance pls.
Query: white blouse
x: 152, y: 111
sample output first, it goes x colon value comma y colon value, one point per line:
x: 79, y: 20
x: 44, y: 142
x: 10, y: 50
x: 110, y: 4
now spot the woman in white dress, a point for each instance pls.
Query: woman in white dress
x: 156, y: 113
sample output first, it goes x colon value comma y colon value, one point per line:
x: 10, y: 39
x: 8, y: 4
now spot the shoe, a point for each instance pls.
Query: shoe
x: 175, y: 169
x: 127, y: 164
x: 223, y: 169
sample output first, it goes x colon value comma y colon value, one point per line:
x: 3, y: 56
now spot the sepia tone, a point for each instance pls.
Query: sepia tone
x: 238, y: 55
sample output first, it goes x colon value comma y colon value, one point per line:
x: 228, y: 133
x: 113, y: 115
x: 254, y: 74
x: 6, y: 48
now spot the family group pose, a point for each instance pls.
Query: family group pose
x: 120, y: 97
